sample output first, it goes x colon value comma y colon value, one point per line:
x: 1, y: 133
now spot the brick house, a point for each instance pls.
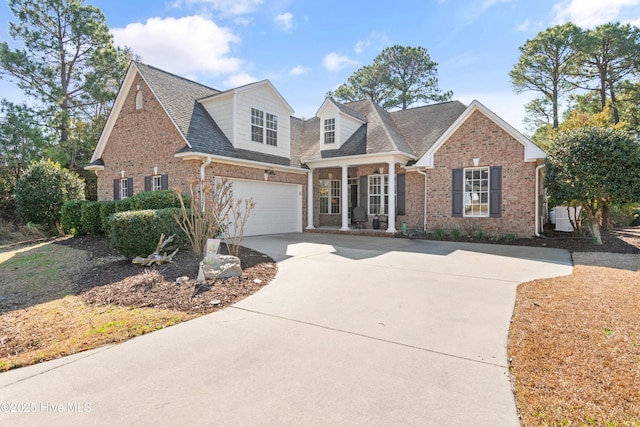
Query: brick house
x: 438, y: 166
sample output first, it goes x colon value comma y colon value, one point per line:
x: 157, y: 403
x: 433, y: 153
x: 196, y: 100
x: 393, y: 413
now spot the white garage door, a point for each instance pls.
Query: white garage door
x: 278, y: 206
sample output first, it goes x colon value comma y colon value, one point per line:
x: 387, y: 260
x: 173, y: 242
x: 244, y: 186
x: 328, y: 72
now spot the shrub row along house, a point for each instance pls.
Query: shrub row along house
x: 437, y: 166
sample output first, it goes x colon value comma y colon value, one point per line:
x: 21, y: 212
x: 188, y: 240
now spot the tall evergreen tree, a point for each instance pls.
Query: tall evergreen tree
x: 545, y: 65
x: 399, y: 77
x: 67, y: 61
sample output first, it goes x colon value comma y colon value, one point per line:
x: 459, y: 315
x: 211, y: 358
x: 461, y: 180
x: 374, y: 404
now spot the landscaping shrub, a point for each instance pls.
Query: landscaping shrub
x: 624, y: 215
x: 107, y: 207
x: 478, y: 234
x: 155, y: 200
x: 124, y: 205
x: 71, y: 216
x: 455, y: 234
x: 136, y: 233
x: 90, y: 219
x: 439, y: 234
x: 42, y: 190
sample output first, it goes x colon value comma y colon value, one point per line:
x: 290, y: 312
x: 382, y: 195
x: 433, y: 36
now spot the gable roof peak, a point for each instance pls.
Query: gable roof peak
x: 141, y: 66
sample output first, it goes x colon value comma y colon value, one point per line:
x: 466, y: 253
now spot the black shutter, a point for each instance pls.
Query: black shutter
x: 164, y: 182
x: 400, y: 194
x: 116, y: 189
x: 495, y: 192
x: 363, y: 193
x: 129, y: 187
x: 457, y: 192
x: 147, y: 183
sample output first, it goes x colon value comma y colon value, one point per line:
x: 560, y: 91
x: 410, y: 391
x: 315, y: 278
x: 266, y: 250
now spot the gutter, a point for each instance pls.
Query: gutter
x: 202, y: 176
x: 424, y: 225
x: 537, y: 209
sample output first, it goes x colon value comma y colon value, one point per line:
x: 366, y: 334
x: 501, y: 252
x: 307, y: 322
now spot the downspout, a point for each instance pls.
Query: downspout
x: 537, y: 216
x: 202, y: 176
x: 424, y: 225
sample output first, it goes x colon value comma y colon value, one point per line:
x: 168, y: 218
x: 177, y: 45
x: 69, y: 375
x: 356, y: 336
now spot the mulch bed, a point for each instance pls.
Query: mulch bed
x: 114, y: 280
x: 616, y: 240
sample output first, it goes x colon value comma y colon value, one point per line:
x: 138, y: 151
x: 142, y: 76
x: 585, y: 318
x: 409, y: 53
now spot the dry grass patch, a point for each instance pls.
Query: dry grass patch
x: 68, y: 325
x: 575, y: 346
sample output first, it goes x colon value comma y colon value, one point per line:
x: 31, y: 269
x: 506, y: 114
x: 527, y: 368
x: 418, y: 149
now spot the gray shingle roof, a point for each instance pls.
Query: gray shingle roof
x: 179, y: 97
x: 422, y: 126
x: 412, y: 131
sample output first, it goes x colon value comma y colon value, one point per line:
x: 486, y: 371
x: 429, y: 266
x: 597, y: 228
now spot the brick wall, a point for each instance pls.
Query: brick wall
x: 146, y: 138
x: 479, y: 137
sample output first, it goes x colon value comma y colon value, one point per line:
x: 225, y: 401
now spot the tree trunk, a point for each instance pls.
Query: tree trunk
x: 606, y: 216
x: 614, y: 108
x: 554, y: 102
x: 593, y: 222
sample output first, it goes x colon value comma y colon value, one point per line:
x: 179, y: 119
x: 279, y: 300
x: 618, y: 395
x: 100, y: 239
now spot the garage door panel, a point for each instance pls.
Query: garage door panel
x: 278, y: 207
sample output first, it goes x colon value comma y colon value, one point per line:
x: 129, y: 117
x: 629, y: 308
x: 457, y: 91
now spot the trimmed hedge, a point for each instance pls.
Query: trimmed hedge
x: 136, y: 233
x: 107, y: 208
x: 71, y: 216
x: 155, y: 200
x: 90, y: 218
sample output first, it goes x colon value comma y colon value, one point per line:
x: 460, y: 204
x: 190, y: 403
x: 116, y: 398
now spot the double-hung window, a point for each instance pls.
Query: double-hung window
x: 157, y: 183
x: 272, y: 129
x: 264, y: 127
x: 476, y: 192
x: 257, y: 125
x: 330, y: 193
x: 124, y: 188
x: 378, y: 194
x: 329, y: 131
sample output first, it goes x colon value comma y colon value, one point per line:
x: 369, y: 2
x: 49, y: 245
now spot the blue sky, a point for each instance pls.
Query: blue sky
x: 307, y: 48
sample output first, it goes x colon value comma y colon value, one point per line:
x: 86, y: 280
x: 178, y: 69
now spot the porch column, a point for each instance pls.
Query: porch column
x: 391, y: 215
x: 344, y: 199
x: 310, y: 200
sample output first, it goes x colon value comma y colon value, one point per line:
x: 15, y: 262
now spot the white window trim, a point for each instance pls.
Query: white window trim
x: 156, y: 179
x: 124, y: 188
x: 384, y: 194
x: 470, y: 194
x: 271, y: 126
x: 325, y: 131
x: 266, y: 122
x: 331, y: 196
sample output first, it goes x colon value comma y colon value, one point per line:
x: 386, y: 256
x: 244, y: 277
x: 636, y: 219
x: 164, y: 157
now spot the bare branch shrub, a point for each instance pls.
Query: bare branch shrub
x: 204, y: 218
x: 236, y: 220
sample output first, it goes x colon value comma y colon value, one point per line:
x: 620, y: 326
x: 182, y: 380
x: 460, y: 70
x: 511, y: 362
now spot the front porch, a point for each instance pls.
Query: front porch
x: 336, y: 187
x: 335, y: 229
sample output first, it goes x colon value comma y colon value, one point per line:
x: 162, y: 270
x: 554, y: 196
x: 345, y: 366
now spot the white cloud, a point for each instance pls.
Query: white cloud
x: 378, y: 40
x: 227, y: 7
x: 240, y: 79
x: 591, y: 13
x: 298, y: 70
x: 524, y: 26
x: 182, y: 46
x: 284, y: 21
x: 361, y: 45
x: 334, y: 62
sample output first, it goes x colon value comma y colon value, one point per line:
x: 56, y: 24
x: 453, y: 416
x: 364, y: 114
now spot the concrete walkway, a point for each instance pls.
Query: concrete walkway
x: 352, y: 331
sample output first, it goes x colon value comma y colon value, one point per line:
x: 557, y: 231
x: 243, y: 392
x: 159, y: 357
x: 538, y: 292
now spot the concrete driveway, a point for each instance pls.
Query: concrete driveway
x: 352, y: 331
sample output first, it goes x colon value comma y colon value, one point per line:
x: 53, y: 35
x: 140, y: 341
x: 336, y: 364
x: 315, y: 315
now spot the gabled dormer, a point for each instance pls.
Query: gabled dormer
x: 337, y: 124
x: 254, y: 117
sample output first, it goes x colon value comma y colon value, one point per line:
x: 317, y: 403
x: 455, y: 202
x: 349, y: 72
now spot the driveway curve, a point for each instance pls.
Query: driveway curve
x: 352, y: 331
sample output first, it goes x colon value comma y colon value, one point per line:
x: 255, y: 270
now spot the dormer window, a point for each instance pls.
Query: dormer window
x: 260, y: 132
x: 257, y: 125
x: 330, y: 131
